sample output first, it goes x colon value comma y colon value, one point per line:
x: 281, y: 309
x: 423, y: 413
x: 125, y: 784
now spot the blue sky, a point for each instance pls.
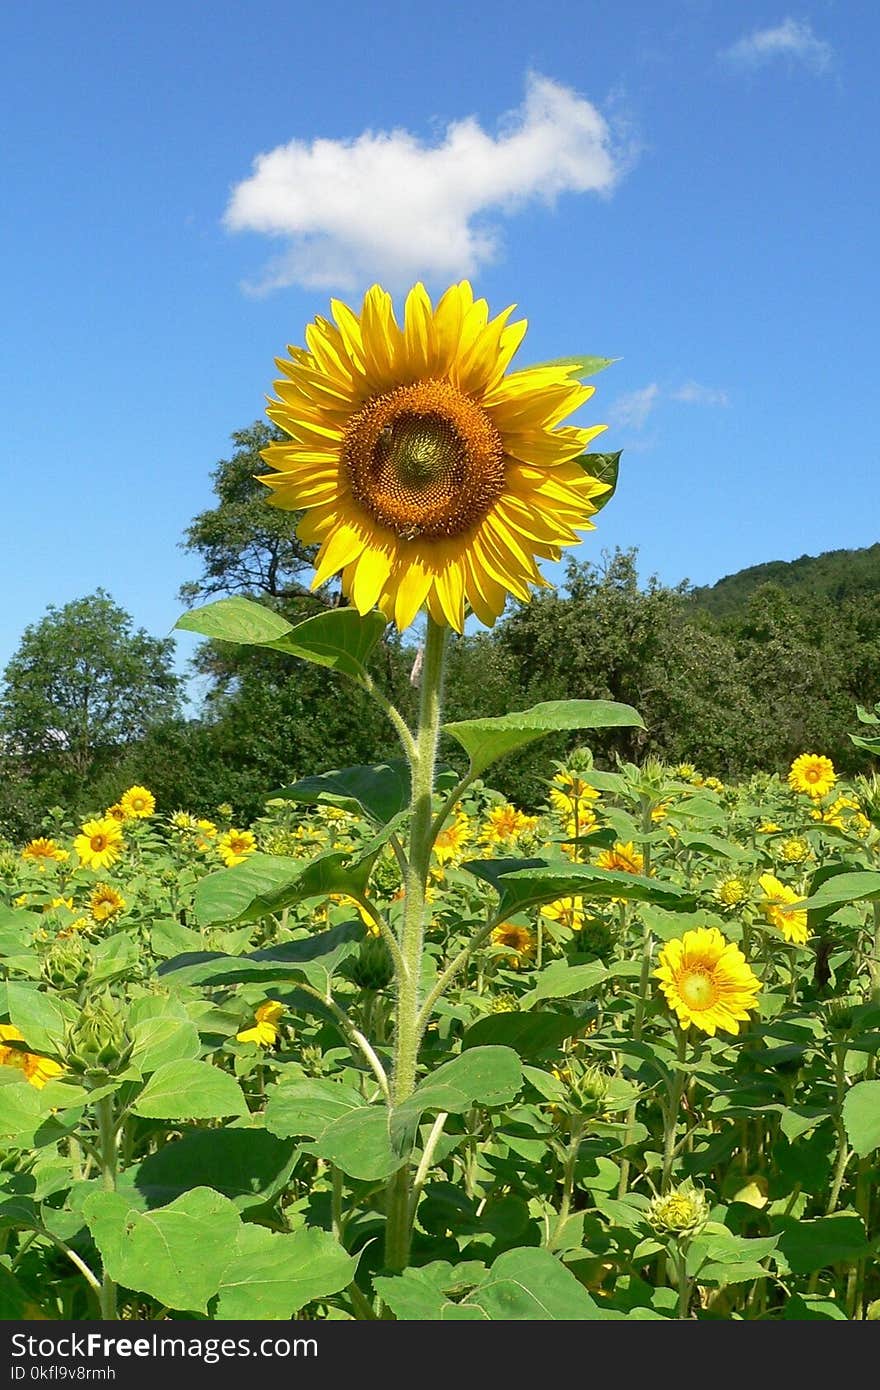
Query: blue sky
x: 691, y: 187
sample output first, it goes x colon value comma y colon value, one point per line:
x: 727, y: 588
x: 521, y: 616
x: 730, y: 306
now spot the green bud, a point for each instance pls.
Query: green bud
x: 504, y: 1004
x: 683, y: 1211
x: 68, y: 964
x: 99, y: 1045
x: 373, y: 968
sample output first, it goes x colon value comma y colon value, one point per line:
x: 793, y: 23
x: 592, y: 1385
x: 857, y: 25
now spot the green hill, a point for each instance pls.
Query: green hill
x: 834, y: 575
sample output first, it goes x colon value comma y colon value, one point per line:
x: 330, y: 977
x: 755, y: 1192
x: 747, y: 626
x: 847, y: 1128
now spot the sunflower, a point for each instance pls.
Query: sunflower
x: 99, y: 844
x: 505, y: 824
x: 519, y: 940
x: 793, y: 925
x: 812, y: 774
x: 116, y: 812
x: 707, y: 981
x: 264, y: 1032
x: 235, y: 846
x: 793, y: 850
x: 37, y: 1070
x: 567, y: 912
x: 623, y: 857
x: 732, y: 891
x: 453, y: 838
x: 568, y: 791
x: 137, y: 803
x: 105, y: 902
x: 427, y: 476
x: 42, y: 849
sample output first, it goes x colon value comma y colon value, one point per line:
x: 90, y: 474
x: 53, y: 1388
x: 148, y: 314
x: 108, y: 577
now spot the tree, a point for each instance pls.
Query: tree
x: 246, y: 546
x: 83, y: 685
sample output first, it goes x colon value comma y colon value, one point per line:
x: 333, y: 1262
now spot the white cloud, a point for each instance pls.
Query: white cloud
x: 631, y: 411
x: 793, y: 39
x: 386, y: 205
x: 692, y: 393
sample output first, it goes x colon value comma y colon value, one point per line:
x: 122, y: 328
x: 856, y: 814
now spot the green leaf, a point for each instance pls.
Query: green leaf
x: 272, y: 1275
x: 314, y: 958
x: 531, y: 1035
x: 380, y: 791
x: 266, y: 883
x: 164, y: 1039
x: 605, y: 468
x: 248, y: 1166
x: 236, y: 620
x: 487, y: 740
x: 35, y: 1015
x: 805, y: 1246
x: 480, y: 1076
x: 177, y: 1254
x: 579, y: 368
x: 526, y: 883
x: 358, y: 1142
x: 531, y: 1285
x: 712, y: 844
x: 305, y: 1107
x: 340, y: 639
x: 861, y: 1116
x: 842, y: 888
x: 560, y: 980
x: 190, y: 1091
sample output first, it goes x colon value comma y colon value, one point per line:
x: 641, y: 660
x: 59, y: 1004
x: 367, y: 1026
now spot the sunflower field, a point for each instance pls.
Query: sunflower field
x: 400, y: 1050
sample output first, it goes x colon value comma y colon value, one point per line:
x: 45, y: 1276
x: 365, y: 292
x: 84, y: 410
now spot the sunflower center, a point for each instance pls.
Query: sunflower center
x: 98, y: 843
x: 698, y: 989
x: 424, y: 460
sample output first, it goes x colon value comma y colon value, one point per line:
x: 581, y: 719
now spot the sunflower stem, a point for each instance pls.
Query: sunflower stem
x: 108, y: 1145
x: 398, y: 1232
x: 676, y: 1091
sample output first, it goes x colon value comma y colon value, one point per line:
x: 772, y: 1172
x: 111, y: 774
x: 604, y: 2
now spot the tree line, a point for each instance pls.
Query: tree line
x: 88, y: 703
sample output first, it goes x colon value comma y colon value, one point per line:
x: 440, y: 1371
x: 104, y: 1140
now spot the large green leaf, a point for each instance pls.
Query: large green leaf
x: 842, y: 888
x: 273, y: 1275
x: 176, y: 1254
x: 314, y: 958
x: 163, y: 1039
x: 340, y: 639
x: 560, y: 980
x: 248, y: 1166
x: 358, y: 1142
x: 525, y: 883
x: 480, y: 1076
x: 487, y: 740
x: 190, y: 1091
x: 267, y: 883
x: 531, y: 1035
x: 605, y: 468
x: 380, y: 791
x: 531, y: 1285
x: 36, y: 1016
x: 805, y: 1246
x: 861, y: 1116
x: 304, y: 1107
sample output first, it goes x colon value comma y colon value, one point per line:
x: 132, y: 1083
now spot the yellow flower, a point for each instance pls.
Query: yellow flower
x: 22, y: 900
x: 812, y: 774
x: 768, y: 827
x: 794, y: 850
x: 714, y: 784
x: 453, y: 838
x: 660, y: 812
x: 793, y: 925
x: 137, y: 803
x: 183, y: 821
x: 58, y: 902
x: 105, y: 902
x: 568, y: 790
x: 207, y: 828
x: 41, y: 850
x: 518, y: 940
x: 568, y: 912
x: 682, y: 1212
x: 235, y: 846
x: 685, y: 771
x: 505, y: 825
x: 427, y: 476
x: 100, y: 843
x: 586, y: 821
x: 707, y: 981
x: 264, y: 1033
x: 732, y: 892
x: 623, y: 857
x: 37, y: 1070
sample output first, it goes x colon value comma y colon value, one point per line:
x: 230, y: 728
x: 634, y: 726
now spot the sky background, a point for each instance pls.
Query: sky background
x: 689, y: 186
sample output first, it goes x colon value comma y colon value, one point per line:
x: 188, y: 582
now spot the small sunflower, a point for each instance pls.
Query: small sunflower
x: 105, y: 902
x: 793, y: 850
x: 812, y: 774
x: 793, y: 925
x: 453, y: 838
x: 505, y: 825
x: 732, y: 891
x: 99, y: 844
x: 567, y: 912
x: 116, y: 812
x: 265, y: 1031
x: 138, y: 803
x: 518, y: 940
x: 235, y: 846
x: 427, y: 476
x: 623, y: 857
x: 707, y: 981
x: 41, y: 850
x: 37, y: 1070
x: 568, y: 790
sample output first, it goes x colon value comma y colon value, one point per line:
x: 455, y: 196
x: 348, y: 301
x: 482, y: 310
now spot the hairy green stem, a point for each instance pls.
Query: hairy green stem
x: 108, y: 1148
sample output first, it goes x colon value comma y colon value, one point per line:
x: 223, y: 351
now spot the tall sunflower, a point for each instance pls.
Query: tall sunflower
x: 428, y: 475
x: 707, y: 981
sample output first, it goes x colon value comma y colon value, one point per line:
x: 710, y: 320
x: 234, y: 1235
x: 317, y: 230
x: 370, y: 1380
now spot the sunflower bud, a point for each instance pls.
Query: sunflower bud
x: 68, y: 964
x: 683, y: 1212
x: 504, y: 1004
x: 373, y: 968
x: 99, y: 1046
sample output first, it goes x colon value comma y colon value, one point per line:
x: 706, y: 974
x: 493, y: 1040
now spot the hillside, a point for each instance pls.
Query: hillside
x: 835, y: 574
